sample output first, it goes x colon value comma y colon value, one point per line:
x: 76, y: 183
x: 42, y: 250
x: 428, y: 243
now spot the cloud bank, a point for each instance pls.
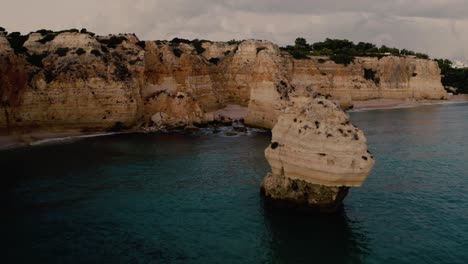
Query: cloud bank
x: 437, y: 27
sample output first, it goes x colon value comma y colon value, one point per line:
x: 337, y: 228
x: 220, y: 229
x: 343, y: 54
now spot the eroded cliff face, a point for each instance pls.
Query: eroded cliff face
x: 367, y: 78
x: 79, y: 81
x: 76, y: 80
x: 47, y: 89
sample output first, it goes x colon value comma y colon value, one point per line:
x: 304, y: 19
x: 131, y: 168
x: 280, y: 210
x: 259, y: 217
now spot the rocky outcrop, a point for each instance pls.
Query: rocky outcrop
x: 389, y: 77
x: 316, y: 154
x: 67, y: 82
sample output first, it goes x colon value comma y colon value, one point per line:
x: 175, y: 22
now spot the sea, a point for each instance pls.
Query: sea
x: 194, y: 198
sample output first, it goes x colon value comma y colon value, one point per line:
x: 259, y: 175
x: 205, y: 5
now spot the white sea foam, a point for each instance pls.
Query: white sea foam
x: 70, y: 138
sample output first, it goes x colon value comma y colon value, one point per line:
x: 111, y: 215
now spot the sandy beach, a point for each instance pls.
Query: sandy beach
x: 37, y: 138
x: 377, y: 104
x: 232, y: 111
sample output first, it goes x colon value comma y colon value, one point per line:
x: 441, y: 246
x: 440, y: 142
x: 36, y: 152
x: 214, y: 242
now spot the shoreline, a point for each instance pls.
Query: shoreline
x: 45, y: 137
x: 387, y: 104
x: 41, y: 137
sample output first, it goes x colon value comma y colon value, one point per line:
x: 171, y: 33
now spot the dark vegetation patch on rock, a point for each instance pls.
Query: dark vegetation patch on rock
x: 141, y: 44
x: 80, y: 51
x: 214, y: 61
x: 113, y: 41
x: 96, y: 53
x: 47, y: 38
x: 36, y: 59
x: 61, y: 52
x: 196, y: 43
x: 177, y: 52
x: 17, y: 41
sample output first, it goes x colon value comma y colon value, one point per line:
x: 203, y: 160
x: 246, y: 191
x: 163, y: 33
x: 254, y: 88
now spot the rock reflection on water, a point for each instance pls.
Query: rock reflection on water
x: 298, y: 237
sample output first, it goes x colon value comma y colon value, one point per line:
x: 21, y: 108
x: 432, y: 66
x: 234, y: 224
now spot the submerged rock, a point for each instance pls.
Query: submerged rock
x: 316, y: 154
x: 241, y: 129
x: 302, y: 195
x: 230, y: 133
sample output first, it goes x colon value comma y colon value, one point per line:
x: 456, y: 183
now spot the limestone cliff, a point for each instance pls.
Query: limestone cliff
x: 389, y: 77
x: 76, y: 80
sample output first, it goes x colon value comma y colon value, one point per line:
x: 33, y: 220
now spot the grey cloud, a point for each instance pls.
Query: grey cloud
x: 432, y: 26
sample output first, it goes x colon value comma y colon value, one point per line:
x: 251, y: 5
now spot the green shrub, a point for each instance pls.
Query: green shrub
x: 47, y: 38
x: 177, y: 52
x: 104, y: 49
x: 233, y: 42
x: 422, y: 56
x: 180, y: 40
x: 17, y: 41
x: 36, y: 59
x: 142, y: 44
x: 113, y: 41
x: 85, y: 31
x: 62, y: 51
x: 44, y: 32
x: 198, y: 45
x: 80, y: 51
x: 342, y: 51
x: 342, y: 59
x: 72, y: 30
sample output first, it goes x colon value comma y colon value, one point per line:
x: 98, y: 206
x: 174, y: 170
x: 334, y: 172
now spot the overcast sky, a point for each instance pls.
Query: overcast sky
x: 437, y: 27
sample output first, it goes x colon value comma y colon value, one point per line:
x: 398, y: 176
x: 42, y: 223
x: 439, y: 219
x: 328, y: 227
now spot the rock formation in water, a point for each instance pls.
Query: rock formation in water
x: 71, y: 80
x: 316, y: 154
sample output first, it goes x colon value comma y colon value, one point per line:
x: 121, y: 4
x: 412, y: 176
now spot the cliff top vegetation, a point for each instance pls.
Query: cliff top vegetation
x: 343, y: 51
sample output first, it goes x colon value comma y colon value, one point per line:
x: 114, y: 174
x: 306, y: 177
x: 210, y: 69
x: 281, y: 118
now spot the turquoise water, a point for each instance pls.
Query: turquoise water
x: 174, y: 198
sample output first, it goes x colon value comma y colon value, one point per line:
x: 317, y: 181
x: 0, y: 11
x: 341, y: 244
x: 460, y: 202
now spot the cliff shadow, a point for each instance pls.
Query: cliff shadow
x: 300, y: 237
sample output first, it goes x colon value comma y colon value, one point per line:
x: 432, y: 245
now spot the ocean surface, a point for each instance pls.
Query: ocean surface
x: 177, y: 198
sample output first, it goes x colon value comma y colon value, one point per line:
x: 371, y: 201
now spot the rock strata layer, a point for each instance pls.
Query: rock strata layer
x: 316, y: 154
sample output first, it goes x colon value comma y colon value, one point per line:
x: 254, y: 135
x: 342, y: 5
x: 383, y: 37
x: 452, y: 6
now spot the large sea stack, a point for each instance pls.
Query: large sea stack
x: 316, y: 154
